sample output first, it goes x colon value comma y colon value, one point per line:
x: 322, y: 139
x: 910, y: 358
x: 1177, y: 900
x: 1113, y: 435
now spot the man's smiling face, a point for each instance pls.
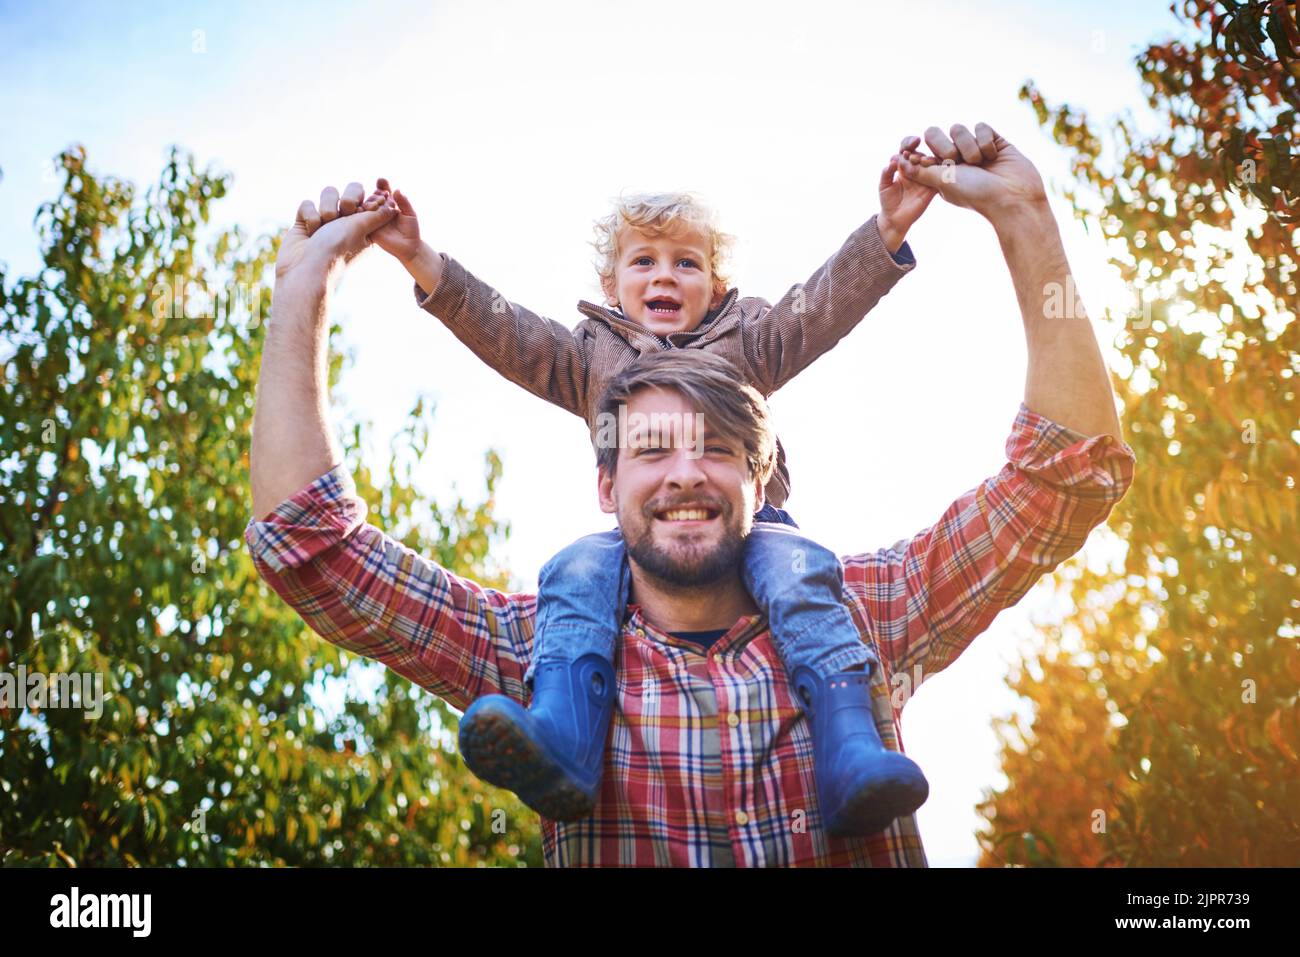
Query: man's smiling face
x: 665, y: 282
x: 684, y: 516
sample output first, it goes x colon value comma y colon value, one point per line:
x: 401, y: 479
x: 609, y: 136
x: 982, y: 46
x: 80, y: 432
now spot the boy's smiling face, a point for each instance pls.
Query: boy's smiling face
x: 670, y: 270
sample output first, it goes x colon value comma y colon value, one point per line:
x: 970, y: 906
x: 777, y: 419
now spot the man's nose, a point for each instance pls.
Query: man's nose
x: 684, y: 470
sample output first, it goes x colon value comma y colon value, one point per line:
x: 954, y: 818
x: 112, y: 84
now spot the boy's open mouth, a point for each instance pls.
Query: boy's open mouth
x: 664, y: 307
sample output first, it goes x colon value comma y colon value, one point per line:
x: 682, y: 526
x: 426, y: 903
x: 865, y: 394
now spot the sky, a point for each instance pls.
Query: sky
x: 512, y: 125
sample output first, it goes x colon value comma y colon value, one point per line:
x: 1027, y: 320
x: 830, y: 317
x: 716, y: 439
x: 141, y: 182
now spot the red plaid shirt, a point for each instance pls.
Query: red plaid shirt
x: 709, y: 760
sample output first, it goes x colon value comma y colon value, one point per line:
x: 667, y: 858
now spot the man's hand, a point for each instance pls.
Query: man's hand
x: 325, y: 236
x: 401, y: 235
x: 902, y: 200
x: 980, y: 171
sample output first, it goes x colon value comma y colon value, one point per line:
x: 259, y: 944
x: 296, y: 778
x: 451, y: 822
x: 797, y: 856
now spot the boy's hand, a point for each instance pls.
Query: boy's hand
x: 401, y: 236
x: 902, y: 200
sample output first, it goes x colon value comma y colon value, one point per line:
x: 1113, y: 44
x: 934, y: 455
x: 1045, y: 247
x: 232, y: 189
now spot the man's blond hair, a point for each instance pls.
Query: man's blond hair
x: 658, y: 214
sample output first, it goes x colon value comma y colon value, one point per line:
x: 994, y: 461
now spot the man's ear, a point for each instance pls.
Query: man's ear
x: 605, y: 492
x: 760, y: 499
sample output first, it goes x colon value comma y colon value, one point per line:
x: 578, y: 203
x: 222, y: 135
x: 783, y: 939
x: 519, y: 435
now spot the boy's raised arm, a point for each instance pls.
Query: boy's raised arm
x: 543, y: 356
x: 814, y: 315
x: 540, y: 354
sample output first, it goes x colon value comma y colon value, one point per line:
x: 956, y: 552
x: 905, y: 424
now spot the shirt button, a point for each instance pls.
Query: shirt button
x: 640, y: 632
x: 733, y: 719
x: 742, y: 818
x: 717, y: 659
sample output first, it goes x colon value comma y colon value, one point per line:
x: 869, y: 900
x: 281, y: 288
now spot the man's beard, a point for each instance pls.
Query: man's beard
x: 690, y: 566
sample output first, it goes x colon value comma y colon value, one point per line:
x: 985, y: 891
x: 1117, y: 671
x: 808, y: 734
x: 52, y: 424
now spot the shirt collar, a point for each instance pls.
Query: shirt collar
x: 745, y: 630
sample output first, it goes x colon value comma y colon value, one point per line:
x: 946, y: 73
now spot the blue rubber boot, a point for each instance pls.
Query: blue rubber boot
x: 551, y: 754
x: 862, y: 786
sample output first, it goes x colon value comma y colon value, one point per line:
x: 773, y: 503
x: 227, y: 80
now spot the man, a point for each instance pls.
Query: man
x: 708, y: 759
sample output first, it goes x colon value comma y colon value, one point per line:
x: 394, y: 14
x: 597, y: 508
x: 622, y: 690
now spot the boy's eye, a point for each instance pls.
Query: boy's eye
x: 640, y: 259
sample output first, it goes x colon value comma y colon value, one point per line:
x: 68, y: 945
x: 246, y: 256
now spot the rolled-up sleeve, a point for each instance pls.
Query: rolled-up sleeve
x: 371, y: 595
x: 926, y: 598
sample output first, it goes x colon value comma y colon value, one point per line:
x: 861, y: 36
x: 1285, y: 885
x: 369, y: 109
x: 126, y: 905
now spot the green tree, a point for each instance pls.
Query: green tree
x: 127, y: 397
x: 1165, y: 729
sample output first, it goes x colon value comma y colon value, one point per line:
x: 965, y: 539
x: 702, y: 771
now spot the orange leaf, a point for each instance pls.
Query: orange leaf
x: 1273, y: 728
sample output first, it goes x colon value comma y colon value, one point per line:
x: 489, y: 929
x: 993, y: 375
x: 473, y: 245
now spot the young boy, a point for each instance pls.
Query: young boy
x: 661, y: 258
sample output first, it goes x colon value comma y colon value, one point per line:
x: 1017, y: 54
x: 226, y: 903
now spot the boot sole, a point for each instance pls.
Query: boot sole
x: 496, y: 750
x: 876, y: 806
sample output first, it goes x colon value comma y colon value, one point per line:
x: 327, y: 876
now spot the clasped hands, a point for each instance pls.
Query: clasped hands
x: 979, y: 170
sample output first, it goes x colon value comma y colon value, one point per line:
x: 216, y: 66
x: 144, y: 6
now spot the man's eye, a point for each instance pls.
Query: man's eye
x: 724, y: 449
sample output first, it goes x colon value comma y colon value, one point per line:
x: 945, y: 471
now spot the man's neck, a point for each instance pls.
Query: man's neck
x: 673, y: 608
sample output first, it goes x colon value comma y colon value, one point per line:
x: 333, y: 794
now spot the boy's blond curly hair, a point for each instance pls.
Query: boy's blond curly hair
x: 657, y: 214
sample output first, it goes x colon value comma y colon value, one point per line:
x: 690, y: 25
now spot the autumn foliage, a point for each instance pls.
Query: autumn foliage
x: 230, y: 733
x: 1163, y: 726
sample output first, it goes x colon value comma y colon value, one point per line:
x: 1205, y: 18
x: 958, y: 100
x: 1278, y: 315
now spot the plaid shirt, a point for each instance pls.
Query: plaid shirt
x: 709, y: 760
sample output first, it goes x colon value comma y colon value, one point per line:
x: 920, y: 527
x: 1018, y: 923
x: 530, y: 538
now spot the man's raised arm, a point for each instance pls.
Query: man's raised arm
x: 293, y: 442
x: 926, y: 598
x: 355, y: 586
x: 1067, y: 380
x: 929, y: 596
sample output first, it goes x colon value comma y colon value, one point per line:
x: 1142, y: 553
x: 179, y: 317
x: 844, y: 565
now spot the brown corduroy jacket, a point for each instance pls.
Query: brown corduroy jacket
x: 767, y: 344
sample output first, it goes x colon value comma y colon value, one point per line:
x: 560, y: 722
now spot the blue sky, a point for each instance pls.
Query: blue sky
x: 511, y: 124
